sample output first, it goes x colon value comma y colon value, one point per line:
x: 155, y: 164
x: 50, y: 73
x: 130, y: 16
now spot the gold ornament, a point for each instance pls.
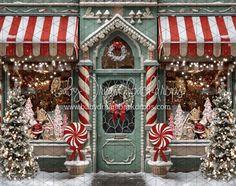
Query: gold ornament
x: 195, y: 114
x: 41, y: 115
x: 56, y: 85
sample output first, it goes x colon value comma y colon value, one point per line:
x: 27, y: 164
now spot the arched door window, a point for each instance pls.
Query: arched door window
x: 117, y: 55
x: 118, y: 106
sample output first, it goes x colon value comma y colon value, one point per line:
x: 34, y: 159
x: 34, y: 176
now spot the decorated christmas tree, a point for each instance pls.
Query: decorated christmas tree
x: 57, y: 122
x: 179, y: 122
x: 208, y: 112
x: 16, y: 155
x: 171, y: 124
x: 219, y: 162
x: 28, y: 113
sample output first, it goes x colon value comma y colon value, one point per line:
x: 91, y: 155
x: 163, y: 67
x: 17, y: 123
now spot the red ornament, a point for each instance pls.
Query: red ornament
x: 76, y: 135
x: 160, y: 136
x: 37, y: 129
x: 116, y: 110
x: 199, y: 128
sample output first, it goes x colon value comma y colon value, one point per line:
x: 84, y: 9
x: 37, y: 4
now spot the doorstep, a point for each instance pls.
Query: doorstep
x: 118, y: 179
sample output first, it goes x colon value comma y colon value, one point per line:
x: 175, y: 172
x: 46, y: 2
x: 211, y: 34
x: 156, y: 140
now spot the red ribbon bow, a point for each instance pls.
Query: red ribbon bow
x: 161, y: 152
x: 118, y: 110
x: 74, y: 152
x: 117, y: 45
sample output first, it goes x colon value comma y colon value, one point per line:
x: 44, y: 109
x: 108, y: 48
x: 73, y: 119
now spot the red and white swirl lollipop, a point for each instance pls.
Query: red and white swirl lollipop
x: 160, y: 136
x: 76, y: 135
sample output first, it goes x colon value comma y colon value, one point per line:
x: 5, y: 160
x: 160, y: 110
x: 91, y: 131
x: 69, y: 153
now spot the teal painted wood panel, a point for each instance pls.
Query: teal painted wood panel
x: 118, y: 151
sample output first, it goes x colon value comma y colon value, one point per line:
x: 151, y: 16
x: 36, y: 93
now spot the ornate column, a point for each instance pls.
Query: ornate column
x: 1, y: 92
x: 151, y: 95
x: 84, y: 98
x: 84, y: 90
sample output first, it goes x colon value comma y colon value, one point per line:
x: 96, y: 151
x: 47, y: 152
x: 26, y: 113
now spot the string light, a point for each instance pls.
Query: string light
x: 41, y: 67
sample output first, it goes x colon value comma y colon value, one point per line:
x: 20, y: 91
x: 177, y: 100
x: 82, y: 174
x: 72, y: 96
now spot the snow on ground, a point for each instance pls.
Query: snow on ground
x: 184, y: 179
x: 63, y: 179
x: 51, y: 179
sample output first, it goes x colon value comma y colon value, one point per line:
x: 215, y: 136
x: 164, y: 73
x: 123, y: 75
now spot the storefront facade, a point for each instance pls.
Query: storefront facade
x: 144, y: 58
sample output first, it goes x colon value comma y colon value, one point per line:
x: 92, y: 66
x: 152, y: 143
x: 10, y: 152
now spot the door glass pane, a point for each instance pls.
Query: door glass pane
x: 118, y: 106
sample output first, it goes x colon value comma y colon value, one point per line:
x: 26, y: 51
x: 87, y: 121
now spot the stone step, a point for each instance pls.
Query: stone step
x: 117, y: 180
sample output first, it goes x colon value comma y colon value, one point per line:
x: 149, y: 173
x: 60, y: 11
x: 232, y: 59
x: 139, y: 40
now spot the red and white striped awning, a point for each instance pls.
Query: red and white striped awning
x: 38, y: 36
x: 197, y: 36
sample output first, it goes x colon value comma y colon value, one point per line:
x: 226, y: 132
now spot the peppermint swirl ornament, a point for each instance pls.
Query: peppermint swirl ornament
x: 160, y: 136
x: 76, y: 135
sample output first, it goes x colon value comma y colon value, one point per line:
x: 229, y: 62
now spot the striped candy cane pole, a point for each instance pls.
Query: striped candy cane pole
x: 151, y: 96
x: 1, y: 102
x: 1, y: 92
x: 84, y: 95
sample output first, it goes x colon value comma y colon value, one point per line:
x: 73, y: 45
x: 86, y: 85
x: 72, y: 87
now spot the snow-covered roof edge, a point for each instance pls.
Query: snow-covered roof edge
x: 117, y: 22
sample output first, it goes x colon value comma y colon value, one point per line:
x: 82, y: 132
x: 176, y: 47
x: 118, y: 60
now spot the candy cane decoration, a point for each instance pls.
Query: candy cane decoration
x: 0, y: 101
x: 84, y: 95
x: 76, y: 135
x: 151, y: 96
x: 160, y: 136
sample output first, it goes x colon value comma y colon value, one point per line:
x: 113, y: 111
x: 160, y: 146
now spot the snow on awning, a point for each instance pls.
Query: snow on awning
x: 197, y: 36
x: 38, y: 36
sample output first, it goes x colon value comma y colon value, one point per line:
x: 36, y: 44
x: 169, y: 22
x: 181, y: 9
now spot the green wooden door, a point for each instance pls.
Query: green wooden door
x: 118, y: 137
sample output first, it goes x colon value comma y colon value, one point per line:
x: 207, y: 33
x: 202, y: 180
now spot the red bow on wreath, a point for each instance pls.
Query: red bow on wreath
x: 118, y: 110
x: 117, y: 45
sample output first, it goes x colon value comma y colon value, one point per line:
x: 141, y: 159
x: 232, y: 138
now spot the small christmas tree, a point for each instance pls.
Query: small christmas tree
x: 219, y: 162
x: 172, y: 125
x: 16, y: 154
x: 179, y: 122
x: 65, y: 123
x: 187, y: 129
x: 57, y: 122
x: 208, y: 112
x: 28, y: 113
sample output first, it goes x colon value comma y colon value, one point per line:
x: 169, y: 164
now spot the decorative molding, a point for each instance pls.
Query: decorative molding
x: 231, y: 9
x: 199, y: 10
x: 142, y: 126
x: 138, y: 15
x: 57, y: 4
x: 121, y: 4
x: 117, y: 23
x: 149, y: 62
x: 17, y: 11
x: 5, y: 9
x: 89, y: 3
x: 85, y: 62
x: 115, y: 142
x: 88, y: 13
x: 215, y: 4
x: 94, y: 122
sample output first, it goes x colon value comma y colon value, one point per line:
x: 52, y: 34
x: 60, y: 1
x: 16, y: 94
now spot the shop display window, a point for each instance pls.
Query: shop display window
x: 46, y: 100
x: 189, y: 95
